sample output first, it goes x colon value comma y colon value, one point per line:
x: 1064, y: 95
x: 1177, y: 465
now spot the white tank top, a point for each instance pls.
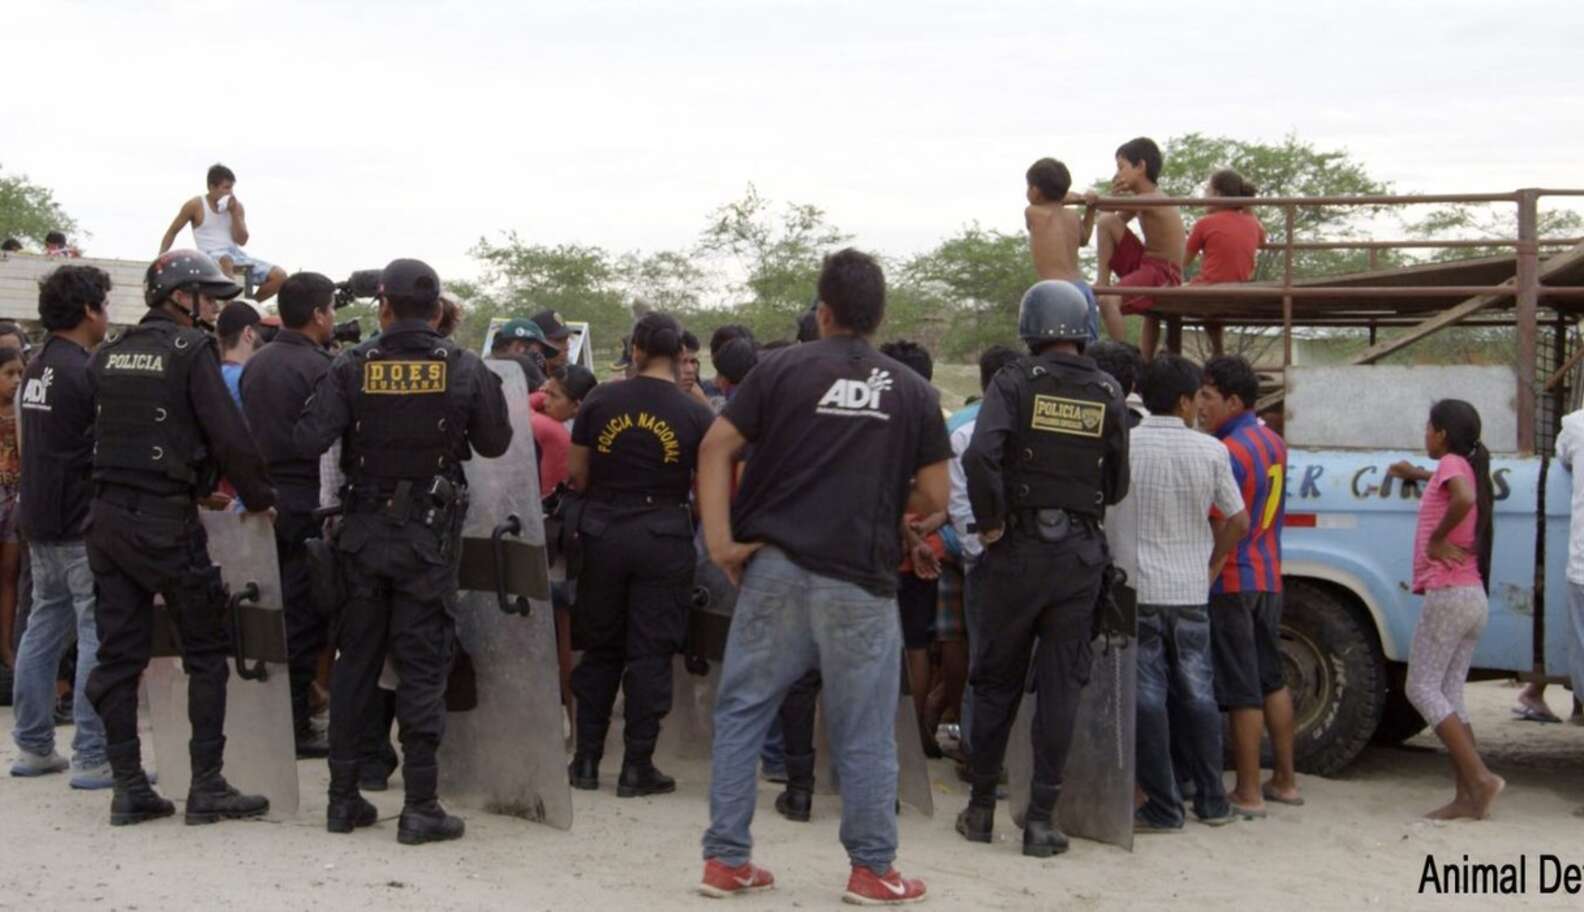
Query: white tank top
x: 214, y: 233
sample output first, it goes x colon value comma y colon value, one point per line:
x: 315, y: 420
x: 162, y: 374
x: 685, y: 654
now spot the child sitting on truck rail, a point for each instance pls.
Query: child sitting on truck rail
x: 1230, y: 239
x: 1452, y: 553
x: 1156, y: 261
x: 1056, y: 232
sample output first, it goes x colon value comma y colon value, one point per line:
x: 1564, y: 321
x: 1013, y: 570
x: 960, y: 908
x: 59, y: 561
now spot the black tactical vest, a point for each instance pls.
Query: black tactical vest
x: 143, y: 418
x: 408, y: 414
x: 1056, y: 458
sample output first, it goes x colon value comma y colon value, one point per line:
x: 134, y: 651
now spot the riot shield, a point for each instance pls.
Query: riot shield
x: 503, y: 750
x: 690, y: 727
x: 1097, y: 788
x: 261, y: 750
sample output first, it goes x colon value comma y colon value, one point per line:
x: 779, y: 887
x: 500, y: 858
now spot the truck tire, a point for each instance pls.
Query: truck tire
x: 1399, y: 720
x: 1336, y: 673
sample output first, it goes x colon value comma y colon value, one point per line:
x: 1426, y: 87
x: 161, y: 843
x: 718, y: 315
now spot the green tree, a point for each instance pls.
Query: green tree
x: 777, y: 249
x: 971, y: 282
x: 1291, y: 167
x: 580, y: 282
x: 29, y: 211
x: 1495, y: 221
x: 669, y: 280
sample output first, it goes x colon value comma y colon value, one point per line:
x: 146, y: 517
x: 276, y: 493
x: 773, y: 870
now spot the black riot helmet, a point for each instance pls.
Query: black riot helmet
x: 186, y: 269
x: 1053, y: 311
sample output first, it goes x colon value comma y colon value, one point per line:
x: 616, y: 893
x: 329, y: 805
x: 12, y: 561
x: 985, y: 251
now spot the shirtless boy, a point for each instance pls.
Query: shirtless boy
x: 1155, y: 262
x: 219, y: 227
x: 1056, y: 232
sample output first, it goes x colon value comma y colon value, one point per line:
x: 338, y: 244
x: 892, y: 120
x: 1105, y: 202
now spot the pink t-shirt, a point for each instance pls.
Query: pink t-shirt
x: 1429, y: 574
x: 554, y: 442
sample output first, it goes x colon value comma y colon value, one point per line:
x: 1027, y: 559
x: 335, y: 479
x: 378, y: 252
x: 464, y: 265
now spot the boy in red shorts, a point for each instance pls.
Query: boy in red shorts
x: 1154, y: 262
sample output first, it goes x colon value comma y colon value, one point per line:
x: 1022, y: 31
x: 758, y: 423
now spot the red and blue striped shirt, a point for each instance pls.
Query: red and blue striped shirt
x: 1259, y: 463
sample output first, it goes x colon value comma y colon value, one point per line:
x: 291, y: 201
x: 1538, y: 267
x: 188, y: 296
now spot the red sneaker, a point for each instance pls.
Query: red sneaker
x: 866, y: 888
x: 721, y: 881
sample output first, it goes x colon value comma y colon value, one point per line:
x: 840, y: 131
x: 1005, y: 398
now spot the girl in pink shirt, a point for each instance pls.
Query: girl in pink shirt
x: 1452, y: 549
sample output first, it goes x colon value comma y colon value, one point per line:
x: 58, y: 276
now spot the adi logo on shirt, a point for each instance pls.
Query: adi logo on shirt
x: 36, y: 394
x: 857, y: 397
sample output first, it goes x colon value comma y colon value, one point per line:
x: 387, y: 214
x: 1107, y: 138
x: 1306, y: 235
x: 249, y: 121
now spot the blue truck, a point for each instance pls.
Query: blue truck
x: 1347, y: 553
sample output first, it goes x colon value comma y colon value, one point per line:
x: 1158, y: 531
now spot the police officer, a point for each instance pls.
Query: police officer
x: 1049, y: 454
x: 634, y: 448
x: 165, y: 429
x: 406, y: 406
x: 277, y: 382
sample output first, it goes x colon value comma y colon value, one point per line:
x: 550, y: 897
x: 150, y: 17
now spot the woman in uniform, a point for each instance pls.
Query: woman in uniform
x: 634, y: 446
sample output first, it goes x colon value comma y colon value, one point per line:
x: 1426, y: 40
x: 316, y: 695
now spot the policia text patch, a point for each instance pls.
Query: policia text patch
x: 403, y: 377
x: 1068, y: 416
x: 142, y: 363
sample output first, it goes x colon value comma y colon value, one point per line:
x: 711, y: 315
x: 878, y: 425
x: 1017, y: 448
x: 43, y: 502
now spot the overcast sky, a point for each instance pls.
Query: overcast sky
x: 365, y: 131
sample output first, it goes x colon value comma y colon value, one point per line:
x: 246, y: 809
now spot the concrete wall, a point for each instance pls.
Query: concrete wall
x: 1385, y: 407
x: 20, y: 274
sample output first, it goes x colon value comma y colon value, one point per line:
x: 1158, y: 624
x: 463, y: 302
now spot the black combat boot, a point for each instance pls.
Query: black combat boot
x: 134, y: 800
x: 797, y: 801
x: 374, y: 772
x: 347, y: 809
x: 210, y: 798
x: 639, y: 776
x: 976, y: 822
x: 584, y: 772
x: 1041, y: 838
x: 422, y: 818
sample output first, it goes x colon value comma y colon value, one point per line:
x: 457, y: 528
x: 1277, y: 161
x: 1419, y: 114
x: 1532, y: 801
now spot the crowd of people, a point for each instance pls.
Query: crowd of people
x: 872, y: 536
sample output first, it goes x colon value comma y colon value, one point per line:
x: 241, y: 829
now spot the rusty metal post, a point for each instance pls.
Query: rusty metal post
x: 1528, y: 281
x: 1559, y: 355
x: 1374, y: 258
x: 1288, y: 214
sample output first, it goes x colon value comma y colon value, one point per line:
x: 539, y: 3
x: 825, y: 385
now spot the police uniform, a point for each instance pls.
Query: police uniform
x: 408, y: 406
x: 165, y: 429
x: 276, y: 383
x: 636, y: 587
x: 1049, y: 454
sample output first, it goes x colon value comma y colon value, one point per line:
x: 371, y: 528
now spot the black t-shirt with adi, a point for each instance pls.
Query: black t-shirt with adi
x: 838, y: 431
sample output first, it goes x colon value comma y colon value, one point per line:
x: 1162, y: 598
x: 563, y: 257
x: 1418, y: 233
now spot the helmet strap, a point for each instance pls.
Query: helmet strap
x: 190, y: 312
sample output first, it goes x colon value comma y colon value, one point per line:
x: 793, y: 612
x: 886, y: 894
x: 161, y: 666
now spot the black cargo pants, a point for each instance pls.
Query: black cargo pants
x: 1036, y: 593
x: 630, y: 619
x: 139, y: 545
x: 307, y: 626
x: 400, y: 579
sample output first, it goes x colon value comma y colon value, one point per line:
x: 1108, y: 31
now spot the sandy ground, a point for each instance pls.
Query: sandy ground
x: 1358, y: 844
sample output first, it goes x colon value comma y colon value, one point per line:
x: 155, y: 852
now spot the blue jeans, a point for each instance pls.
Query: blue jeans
x: 1175, y: 670
x: 63, y: 597
x: 787, y: 622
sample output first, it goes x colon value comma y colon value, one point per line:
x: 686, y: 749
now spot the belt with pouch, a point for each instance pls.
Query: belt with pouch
x: 1051, y: 524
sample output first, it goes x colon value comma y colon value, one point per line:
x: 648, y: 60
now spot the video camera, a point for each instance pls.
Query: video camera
x: 364, y: 283
x: 348, y: 333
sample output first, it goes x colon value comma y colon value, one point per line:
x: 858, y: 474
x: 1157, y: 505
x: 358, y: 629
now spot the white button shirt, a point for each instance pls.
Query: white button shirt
x: 1178, y: 475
